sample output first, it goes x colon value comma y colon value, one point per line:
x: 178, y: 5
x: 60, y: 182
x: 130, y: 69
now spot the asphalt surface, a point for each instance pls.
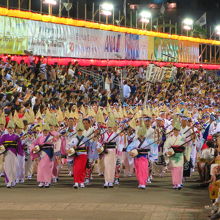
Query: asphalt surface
x: 125, y: 202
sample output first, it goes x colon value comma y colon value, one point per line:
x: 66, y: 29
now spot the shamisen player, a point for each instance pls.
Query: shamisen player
x: 43, y: 147
x: 78, y: 149
x: 139, y: 149
x: 10, y: 144
x: 109, y: 144
x: 2, y: 132
x: 174, y: 150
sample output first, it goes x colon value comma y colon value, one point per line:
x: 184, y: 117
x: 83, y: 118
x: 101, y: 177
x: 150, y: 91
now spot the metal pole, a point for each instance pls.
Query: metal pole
x: 19, y: 4
x: 41, y: 6
x: 215, y: 54
x: 206, y: 52
x: 60, y: 5
x: 119, y: 17
x: 200, y: 49
x: 68, y: 13
x: 151, y: 24
x: 157, y: 24
x: 163, y: 25
x: 50, y: 9
x: 93, y: 11
x: 170, y: 27
x: 77, y: 10
x: 210, y: 52
x: 125, y: 12
x: 136, y: 19
x: 29, y: 5
x: 99, y: 14
x: 85, y: 11
x: 176, y: 28
x: 113, y: 16
x: 106, y: 19
x: 7, y: 4
x: 130, y: 18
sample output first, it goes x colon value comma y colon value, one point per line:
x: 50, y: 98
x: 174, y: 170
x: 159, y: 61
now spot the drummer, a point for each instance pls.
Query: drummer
x: 175, y: 152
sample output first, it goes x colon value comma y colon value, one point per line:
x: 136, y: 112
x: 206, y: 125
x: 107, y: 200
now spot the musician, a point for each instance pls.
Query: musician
x: 29, y: 139
x: 45, y: 154
x: 80, y: 158
x: 88, y: 131
x: 12, y: 144
x: 20, y: 174
x: 71, y: 131
x: 175, y: 152
x: 72, y: 123
x: 167, y: 123
x: 92, y: 155
x: 128, y: 161
x: 2, y: 132
x: 140, y: 160
x: 57, y: 152
x: 151, y: 136
x: 109, y: 142
x: 187, y: 132
x: 160, y: 129
x: 121, y: 143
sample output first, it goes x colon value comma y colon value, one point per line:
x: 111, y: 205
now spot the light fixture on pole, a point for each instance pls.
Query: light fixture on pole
x: 106, y: 9
x: 145, y: 18
x: 217, y: 30
x: 50, y: 5
x: 187, y: 25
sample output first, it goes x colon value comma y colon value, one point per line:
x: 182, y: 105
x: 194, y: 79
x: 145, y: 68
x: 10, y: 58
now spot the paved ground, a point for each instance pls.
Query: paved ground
x: 62, y: 202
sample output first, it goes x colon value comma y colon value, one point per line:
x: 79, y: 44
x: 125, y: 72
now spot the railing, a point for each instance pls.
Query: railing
x: 99, y: 79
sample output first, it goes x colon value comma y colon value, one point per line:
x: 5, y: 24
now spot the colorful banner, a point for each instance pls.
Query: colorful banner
x: 166, y: 49
x: 188, y: 52
x: 13, y: 35
x: 57, y: 40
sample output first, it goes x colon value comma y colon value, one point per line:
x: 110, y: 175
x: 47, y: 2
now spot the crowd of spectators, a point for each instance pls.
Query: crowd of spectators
x: 38, y: 86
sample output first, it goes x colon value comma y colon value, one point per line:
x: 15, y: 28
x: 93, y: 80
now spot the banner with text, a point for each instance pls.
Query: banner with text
x: 49, y: 39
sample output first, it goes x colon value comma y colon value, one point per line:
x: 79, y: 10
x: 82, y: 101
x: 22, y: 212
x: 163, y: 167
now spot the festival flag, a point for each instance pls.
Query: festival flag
x: 162, y: 9
x: 202, y: 20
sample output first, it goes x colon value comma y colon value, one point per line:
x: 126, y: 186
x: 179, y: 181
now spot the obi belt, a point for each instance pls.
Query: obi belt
x: 178, y: 149
x: 12, y: 144
x: 48, y: 149
x: 110, y: 145
x: 82, y: 149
